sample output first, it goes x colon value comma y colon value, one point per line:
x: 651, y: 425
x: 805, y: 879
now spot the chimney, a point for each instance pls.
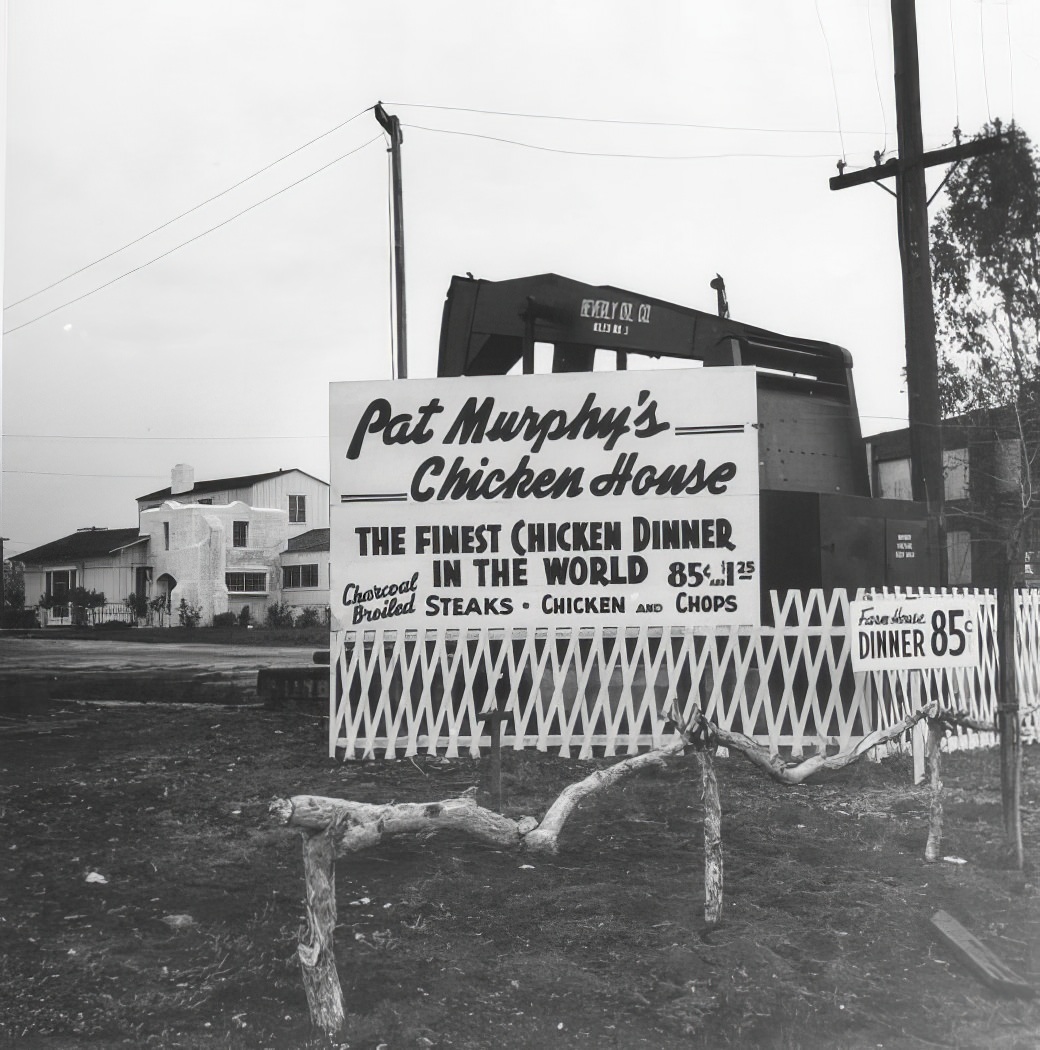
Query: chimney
x: 182, y: 479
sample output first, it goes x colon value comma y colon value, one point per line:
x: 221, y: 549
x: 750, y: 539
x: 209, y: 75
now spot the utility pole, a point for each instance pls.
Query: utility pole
x: 392, y: 126
x: 922, y: 363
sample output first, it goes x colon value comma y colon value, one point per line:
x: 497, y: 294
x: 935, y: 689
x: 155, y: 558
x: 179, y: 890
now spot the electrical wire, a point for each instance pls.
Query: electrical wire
x: 72, y: 474
x: 185, y: 437
x: 184, y: 214
x: 834, y: 83
x: 617, y: 156
x: 191, y: 240
x: 985, y: 76
x: 1011, y: 60
x: 956, y: 78
x: 631, y: 123
x: 877, y: 80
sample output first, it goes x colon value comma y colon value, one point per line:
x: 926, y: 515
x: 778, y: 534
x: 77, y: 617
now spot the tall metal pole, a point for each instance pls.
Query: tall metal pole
x: 392, y: 126
x: 922, y: 366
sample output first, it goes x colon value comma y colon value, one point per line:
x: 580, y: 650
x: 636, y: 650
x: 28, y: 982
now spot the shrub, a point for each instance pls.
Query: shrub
x: 19, y: 618
x: 159, y: 606
x: 113, y: 625
x: 225, y: 619
x: 188, y: 615
x: 243, y: 616
x: 279, y: 615
x: 310, y: 616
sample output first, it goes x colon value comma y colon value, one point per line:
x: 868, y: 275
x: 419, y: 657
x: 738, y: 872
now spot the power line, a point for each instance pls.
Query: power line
x: 834, y: 83
x: 985, y: 77
x: 191, y: 240
x: 73, y: 474
x: 618, y: 156
x: 184, y: 437
x: 184, y: 214
x: 632, y: 123
x: 877, y: 80
x: 956, y: 79
x: 1011, y: 60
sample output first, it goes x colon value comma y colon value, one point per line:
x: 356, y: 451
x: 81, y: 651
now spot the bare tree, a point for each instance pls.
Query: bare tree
x: 986, y: 269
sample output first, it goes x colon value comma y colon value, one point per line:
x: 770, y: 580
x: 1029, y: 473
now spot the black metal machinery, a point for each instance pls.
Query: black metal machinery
x: 819, y: 526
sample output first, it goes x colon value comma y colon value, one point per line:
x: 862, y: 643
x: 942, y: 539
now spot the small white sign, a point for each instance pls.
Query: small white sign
x: 907, y: 633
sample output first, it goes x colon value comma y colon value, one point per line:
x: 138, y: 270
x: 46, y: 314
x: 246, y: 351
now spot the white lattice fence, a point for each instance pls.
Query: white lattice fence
x: 1027, y: 651
x: 600, y: 691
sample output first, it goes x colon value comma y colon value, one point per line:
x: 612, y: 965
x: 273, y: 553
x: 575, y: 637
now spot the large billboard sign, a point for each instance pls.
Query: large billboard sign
x: 618, y: 498
x: 914, y: 633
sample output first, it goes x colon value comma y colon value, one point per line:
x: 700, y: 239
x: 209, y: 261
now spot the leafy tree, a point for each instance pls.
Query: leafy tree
x: 986, y: 274
x: 986, y: 270
x: 14, y: 613
x: 158, y: 607
x: 14, y: 586
x: 188, y: 614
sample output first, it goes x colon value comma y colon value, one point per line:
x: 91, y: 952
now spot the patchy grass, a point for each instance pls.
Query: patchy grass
x: 825, y: 940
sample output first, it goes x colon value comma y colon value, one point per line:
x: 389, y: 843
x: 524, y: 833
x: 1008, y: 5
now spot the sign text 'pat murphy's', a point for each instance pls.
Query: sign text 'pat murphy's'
x: 623, y: 498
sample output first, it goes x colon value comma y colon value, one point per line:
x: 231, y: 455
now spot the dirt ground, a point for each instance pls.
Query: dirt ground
x: 120, y: 819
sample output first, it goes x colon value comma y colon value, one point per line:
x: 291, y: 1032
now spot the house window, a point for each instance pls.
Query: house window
x: 246, y: 582
x: 300, y: 576
x: 1008, y: 464
x: 240, y: 533
x: 297, y: 509
x: 958, y: 558
x: 166, y: 535
x: 955, y: 473
x: 893, y: 479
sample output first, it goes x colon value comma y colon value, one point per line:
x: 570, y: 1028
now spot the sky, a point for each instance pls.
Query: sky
x: 196, y: 227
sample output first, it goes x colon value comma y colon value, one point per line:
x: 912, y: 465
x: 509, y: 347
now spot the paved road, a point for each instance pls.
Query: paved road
x: 60, y: 656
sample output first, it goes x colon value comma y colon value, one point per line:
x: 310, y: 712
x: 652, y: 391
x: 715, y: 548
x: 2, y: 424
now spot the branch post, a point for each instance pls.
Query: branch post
x: 316, y: 952
x: 712, y: 838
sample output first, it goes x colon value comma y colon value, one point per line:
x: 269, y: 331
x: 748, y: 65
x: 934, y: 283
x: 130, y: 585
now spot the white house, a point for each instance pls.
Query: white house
x: 220, y: 545
x: 113, y: 562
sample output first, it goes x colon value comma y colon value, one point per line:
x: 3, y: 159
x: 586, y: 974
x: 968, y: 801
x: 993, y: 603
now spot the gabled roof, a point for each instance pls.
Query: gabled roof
x: 200, y: 488
x: 315, y: 540
x: 91, y: 543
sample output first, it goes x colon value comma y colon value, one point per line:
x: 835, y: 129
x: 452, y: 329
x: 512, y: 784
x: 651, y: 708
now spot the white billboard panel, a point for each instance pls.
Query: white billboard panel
x: 621, y: 498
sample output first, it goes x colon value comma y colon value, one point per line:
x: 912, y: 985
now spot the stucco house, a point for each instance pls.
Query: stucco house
x: 221, y: 545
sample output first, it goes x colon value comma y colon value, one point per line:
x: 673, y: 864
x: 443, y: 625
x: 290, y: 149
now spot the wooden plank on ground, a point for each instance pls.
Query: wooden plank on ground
x: 979, y: 958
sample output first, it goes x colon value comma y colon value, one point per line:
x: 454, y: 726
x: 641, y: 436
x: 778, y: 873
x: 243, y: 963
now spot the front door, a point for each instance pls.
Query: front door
x: 60, y: 582
x: 142, y: 589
